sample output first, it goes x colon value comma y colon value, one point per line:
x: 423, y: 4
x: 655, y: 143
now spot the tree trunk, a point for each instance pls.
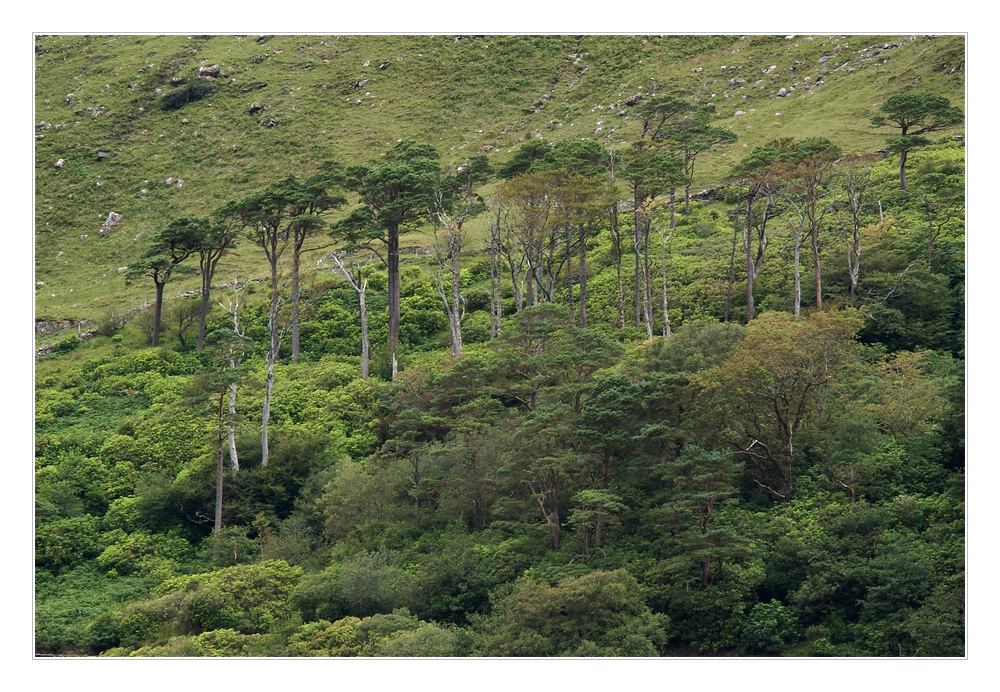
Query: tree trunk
x: 647, y: 282
x: 219, y: 457
x: 582, y: 261
x: 569, y: 268
x: 203, y: 312
x: 294, y: 317
x: 814, y: 237
x: 637, y: 279
x: 797, y: 273
x: 730, y: 277
x: 366, y: 348
x: 393, y: 269
x: 616, y: 240
x: 748, y: 245
x: 455, y: 314
x: 157, y: 312
x: 265, y: 415
x: 234, y: 460
x: 496, y: 288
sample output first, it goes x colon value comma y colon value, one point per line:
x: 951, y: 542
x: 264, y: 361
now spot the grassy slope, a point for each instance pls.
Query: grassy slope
x: 464, y: 95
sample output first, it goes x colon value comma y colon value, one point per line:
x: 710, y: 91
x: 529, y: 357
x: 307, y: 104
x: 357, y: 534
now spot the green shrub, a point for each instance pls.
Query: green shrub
x: 193, y: 89
x: 66, y: 542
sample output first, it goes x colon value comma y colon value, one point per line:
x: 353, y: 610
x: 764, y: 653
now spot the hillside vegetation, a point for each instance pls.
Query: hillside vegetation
x: 517, y: 346
x: 462, y: 94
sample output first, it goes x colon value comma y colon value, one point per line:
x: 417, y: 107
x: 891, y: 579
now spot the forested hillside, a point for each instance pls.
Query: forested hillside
x: 519, y: 346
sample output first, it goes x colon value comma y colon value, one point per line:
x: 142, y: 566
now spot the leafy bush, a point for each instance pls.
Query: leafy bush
x: 66, y: 542
x: 768, y: 627
x: 67, y: 344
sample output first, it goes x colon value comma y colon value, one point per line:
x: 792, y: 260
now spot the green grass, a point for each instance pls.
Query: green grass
x: 463, y: 95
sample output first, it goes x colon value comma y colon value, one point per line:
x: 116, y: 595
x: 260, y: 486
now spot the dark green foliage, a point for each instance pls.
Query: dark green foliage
x: 192, y: 89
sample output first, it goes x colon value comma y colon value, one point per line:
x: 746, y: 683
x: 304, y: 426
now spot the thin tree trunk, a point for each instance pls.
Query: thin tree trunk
x: 265, y: 415
x: 366, y: 347
x: 393, y: 269
x: 157, y: 313
x: 616, y: 240
x: 360, y: 286
x: 647, y: 282
x: 814, y: 237
x: 272, y: 357
x: 637, y: 279
x: 496, y: 289
x: 234, y: 460
x: 582, y: 261
x: 663, y: 281
x: 219, y: 460
x: 569, y: 267
x: 730, y: 277
x: 797, y: 273
x: 455, y: 311
x: 203, y: 312
x: 294, y: 317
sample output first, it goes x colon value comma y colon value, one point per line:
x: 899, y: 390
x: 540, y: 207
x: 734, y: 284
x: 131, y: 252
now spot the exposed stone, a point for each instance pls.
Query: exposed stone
x: 114, y: 218
x: 60, y: 163
x: 209, y: 71
x: 255, y: 106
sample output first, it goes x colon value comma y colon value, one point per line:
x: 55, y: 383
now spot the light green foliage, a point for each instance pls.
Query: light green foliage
x: 596, y: 614
x: 66, y: 542
x: 141, y: 552
x: 248, y: 598
x: 426, y: 640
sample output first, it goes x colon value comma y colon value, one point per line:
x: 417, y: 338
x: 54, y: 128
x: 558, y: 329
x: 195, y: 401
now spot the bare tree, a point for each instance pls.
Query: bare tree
x: 236, y: 354
x: 856, y: 182
x: 454, y: 203
x: 360, y: 286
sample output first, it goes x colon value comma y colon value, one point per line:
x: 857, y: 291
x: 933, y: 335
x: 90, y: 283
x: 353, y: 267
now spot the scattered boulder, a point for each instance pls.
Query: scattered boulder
x: 255, y: 107
x: 633, y: 100
x: 782, y: 93
x: 114, y: 218
x: 60, y: 163
x: 209, y: 71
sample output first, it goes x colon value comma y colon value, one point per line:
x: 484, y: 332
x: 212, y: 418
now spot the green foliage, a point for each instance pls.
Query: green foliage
x: 791, y: 486
x: 66, y: 542
x: 193, y: 89
x: 768, y: 627
x: 596, y: 614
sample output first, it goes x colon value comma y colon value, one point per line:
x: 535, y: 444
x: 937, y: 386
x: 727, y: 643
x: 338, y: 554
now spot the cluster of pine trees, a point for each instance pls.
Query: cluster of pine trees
x: 602, y: 418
